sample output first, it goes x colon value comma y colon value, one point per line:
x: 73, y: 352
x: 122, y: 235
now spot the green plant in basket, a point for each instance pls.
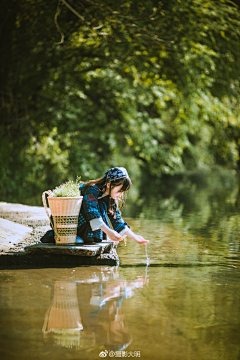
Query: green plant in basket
x: 68, y: 189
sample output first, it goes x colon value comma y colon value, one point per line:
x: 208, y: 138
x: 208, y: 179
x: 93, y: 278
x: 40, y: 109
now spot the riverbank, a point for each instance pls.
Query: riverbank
x: 21, y: 228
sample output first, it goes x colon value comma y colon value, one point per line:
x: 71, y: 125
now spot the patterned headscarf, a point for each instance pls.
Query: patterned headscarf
x: 115, y: 174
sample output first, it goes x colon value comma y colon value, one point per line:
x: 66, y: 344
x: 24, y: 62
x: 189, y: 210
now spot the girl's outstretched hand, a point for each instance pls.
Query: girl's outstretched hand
x: 139, y: 239
x: 114, y: 235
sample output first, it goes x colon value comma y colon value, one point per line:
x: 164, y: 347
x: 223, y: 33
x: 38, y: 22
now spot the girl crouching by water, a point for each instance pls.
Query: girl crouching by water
x: 100, y: 203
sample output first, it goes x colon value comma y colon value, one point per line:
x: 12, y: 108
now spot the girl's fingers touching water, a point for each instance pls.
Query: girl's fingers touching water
x: 139, y: 239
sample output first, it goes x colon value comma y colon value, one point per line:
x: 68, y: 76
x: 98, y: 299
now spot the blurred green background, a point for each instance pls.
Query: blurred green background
x: 88, y: 85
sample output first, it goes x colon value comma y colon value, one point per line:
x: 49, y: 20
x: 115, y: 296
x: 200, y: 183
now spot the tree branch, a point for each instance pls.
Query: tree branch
x: 82, y: 18
x: 74, y: 11
x: 58, y: 12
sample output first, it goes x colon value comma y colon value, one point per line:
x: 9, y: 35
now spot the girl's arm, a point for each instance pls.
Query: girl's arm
x: 138, y: 238
x: 114, y: 235
x: 119, y: 225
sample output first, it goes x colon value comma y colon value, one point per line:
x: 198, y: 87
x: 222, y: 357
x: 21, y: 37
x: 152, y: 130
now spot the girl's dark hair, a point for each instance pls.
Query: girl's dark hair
x: 112, y: 203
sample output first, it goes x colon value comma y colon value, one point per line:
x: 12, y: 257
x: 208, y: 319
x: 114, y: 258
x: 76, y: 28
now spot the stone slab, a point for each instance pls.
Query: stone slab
x: 79, y: 250
x: 12, y: 233
x: 23, y: 214
x: 29, y: 253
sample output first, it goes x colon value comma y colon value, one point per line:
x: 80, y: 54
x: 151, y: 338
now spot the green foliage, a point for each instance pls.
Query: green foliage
x: 68, y: 189
x: 150, y: 83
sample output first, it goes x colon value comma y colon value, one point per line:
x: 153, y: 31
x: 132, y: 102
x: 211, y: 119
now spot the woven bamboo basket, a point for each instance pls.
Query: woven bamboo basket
x: 63, y: 320
x: 65, y: 212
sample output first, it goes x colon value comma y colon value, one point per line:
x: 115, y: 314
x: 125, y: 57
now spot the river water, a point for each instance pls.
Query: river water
x: 181, y: 300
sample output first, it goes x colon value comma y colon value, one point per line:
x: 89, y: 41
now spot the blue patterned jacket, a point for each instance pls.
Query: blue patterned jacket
x: 93, y: 208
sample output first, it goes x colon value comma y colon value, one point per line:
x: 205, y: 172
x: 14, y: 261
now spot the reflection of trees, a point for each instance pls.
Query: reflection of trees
x: 203, y: 203
x: 89, y: 311
x: 181, y: 214
x: 185, y: 195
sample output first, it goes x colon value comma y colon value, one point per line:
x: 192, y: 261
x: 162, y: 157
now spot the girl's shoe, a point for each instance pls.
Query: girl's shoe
x: 48, y: 237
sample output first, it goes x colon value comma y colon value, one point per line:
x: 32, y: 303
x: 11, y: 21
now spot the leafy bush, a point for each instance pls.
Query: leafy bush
x: 68, y: 189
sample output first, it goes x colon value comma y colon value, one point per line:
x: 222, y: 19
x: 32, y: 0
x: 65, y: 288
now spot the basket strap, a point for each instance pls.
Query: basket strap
x: 45, y: 323
x: 49, y: 193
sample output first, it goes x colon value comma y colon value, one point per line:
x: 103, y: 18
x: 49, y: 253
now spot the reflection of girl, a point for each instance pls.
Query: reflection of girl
x: 112, y: 329
x: 100, y: 202
x: 102, y: 316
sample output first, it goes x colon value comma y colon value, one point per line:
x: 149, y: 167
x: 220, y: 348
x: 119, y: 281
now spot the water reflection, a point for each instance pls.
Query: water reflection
x: 199, y: 199
x: 62, y: 319
x: 89, y: 311
x: 169, y: 313
x: 188, y: 219
x: 188, y: 310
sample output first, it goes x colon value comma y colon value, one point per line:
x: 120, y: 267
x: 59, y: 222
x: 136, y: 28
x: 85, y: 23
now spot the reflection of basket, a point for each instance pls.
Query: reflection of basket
x: 65, y: 212
x: 63, y: 317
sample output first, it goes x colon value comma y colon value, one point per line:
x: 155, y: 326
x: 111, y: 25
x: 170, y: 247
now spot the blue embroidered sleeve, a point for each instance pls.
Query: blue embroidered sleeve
x: 118, y: 223
x: 90, y: 204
